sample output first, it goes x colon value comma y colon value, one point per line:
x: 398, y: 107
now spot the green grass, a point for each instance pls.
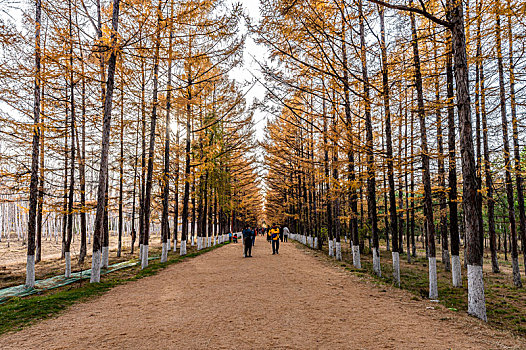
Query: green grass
x: 18, y: 313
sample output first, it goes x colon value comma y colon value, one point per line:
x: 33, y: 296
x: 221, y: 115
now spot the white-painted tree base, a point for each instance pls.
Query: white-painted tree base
x: 164, y: 252
x: 209, y: 242
x: 433, y: 286
x: 144, y: 256
x: 182, y: 248
x: 175, y: 246
x: 516, y: 272
x: 331, y: 252
x: 456, y: 271
x: 356, y: 261
x: 376, y: 263
x: 192, y: 241
x: 338, y: 251
x: 476, y: 300
x: 140, y: 252
x: 315, y: 246
x: 67, y: 256
x: 396, y: 267
x: 199, y: 243
x: 95, y: 267
x: 105, y: 257
x: 30, y: 271
x: 214, y: 241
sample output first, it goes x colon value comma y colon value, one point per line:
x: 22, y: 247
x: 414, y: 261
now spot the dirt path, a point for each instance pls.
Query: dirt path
x: 288, y: 301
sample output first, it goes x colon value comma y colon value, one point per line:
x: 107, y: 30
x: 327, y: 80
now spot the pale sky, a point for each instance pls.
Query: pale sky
x: 245, y: 72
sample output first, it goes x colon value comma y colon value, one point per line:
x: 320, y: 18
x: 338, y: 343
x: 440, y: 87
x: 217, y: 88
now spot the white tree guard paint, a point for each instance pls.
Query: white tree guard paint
x: 192, y: 241
x: 330, y: 248
x: 476, y: 300
x: 338, y: 250
x: 356, y: 256
x: 140, y: 252
x: 433, y: 286
x: 67, y: 256
x: 516, y: 271
x: 209, y: 242
x: 376, y: 262
x: 169, y: 243
x: 144, y: 260
x: 30, y: 271
x: 105, y: 257
x: 214, y: 240
x: 175, y: 245
x: 456, y: 271
x: 164, y: 252
x: 95, y: 267
x: 182, y: 248
x: 315, y: 242
x: 199, y: 243
x: 396, y: 268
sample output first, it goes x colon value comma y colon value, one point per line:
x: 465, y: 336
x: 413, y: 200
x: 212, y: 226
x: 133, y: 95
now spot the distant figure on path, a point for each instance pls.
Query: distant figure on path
x: 286, y: 233
x: 274, y: 236
x: 247, y: 241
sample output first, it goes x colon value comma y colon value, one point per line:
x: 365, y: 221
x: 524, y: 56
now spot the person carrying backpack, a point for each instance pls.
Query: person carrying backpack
x: 274, y: 236
x: 247, y: 241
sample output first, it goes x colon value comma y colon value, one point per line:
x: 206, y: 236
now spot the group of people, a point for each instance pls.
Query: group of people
x: 274, y: 235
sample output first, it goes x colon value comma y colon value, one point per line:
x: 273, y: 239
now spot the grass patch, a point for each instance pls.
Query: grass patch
x: 18, y: 313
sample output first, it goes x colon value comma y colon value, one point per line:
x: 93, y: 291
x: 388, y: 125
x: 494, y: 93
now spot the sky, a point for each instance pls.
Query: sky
x: 249, y: 68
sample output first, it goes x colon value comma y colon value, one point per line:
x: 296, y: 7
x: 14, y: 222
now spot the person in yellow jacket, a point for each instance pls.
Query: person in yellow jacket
x: 274, y: 236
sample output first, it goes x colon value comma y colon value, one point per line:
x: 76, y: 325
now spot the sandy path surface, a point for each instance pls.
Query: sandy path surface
x: 288, y: 301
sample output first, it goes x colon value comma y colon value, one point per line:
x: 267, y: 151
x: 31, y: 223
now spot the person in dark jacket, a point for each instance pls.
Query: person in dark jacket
x: 247, y: 240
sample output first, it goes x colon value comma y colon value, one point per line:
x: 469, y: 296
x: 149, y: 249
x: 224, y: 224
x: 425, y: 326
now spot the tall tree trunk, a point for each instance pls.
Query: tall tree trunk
x: 187, y: 178
x: 82, y: 167
x: 40, y: 207
x: 67, y: 250
x: 476, y: 299
x: 441, y: 168
x: 452, y: 169
x: 33, y: 187
x: 480, y: 88
x: 165, y: 224
x: 103, y: 173
x: 121, y: 171
x: 151, y: 150
x: 136, y: 159
x: 371, y: 179
x: 389, y: 146
x: 516, y: 146
x: 353, y: 198
x: 176, y: 190
x: 426, y: 173
x: 507, y: 161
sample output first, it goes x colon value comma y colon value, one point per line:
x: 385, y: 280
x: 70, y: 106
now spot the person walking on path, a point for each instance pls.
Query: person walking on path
x: 274, y: 236
x: 247, y: 241
x: 286, y: 233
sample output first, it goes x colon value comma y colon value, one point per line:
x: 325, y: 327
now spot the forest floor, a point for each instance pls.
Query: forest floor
x: 298, y: 299
x: 13, y: 258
